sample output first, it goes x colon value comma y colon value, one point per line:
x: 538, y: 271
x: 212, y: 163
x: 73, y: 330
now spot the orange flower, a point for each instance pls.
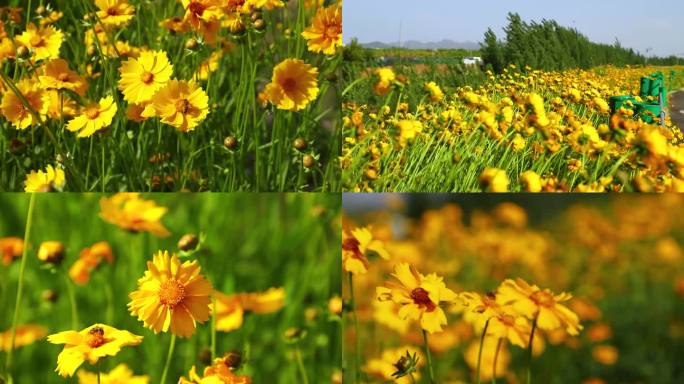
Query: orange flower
x: 10, y: 248
x: 130, y: 212
x: 230, y: 309
x: 24, y: 335
x: 89, y: 259
x: 325, y: 33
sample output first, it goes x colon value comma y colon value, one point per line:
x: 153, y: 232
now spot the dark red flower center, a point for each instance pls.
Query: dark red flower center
x: 421, y: 297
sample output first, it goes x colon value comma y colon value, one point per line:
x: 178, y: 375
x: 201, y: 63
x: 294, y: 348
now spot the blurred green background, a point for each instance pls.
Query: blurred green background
x: 253, y: 242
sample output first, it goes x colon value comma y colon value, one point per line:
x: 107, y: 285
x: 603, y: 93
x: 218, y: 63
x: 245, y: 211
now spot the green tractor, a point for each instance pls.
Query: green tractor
x: 653, y: 95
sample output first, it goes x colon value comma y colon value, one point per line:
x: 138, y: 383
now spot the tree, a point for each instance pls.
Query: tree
x: 492, y: 52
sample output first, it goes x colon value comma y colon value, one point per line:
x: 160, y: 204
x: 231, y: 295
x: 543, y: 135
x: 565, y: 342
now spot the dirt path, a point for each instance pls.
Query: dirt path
x: 677, y: 108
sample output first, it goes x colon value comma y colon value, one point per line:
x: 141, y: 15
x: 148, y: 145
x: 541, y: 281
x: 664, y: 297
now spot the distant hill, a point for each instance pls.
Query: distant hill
x: 413, y: 44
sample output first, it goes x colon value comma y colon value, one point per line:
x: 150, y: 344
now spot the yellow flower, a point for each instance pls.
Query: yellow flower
x: 52, y: 179
x: 494, y: 180
x: 382, y: 368
x: 119, y: 375
x: 25, y: 334
x: 541, y: 305
x: 15, y: 111
x: 44, y: 42
x: 420, y: 296
x: 221, y: 371
x: 408, y: 130
x: 487, y: 362
x: 57, y: 75
x: 130, y: 212
x: 114, y: 12
x: 385, y: 78
x: 436, y: 93
x: 508, y: 326
x: 171, y: 296
x: 230, y: 309
x: 182, y: 104
x: 531, y: 182
x: 51, y: 18
x: 88, y: 260
x: 95, y: 117
x: 293, y: 86
x: 357, y: 246
x: 90, y: 345
x: 325, y: 33
x: 51, y: 252
x: 10, y: 248
x: 142, y: 77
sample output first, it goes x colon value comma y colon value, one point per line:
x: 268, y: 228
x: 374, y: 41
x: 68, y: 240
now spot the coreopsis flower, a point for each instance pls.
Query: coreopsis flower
x: 356, y: 246
x: 182, y: 104
x: 51, y: 252
x: 60, y: 106
x: 89, y: 259
x: 57, y: 75
x: 408, y: 130
x: 510, y: 326
x: 94, y: 117
x: 230, y: 309
x: 171, y: 296
x: 221, y: 371
x: 116, y: 13
x: 52, y: 179
x: 90, y: 344
x: 393, y: 360
x: 325, y: 33
x: 175, y: 24
x: 293, y: 86
x: 385, y: 77
x: 199, y: 12
x: 119, y: 375
x: 44, y: 42
x: 51, y: 18
x: 494, y: 180
x: 14, y: 110
x: 10, y: 248
x: 420, y: 296
x: 132, y: 213
x: 142, y: 77
x: 543, y: 305
x: 605, y: 354
x: 530, y: 181
x: 435, y: 91
x: 25, y: 334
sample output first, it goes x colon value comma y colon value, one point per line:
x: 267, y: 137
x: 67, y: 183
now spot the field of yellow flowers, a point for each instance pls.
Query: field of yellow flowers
x: 508, y: 289
x: 157, y: 288
x: 408, y: 130
x: 191, y: 95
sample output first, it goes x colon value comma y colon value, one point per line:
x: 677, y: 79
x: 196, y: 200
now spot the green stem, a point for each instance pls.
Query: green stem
x: 413, y: 379
x: 357, y: 341
x: 429, y: 357
x: 72, y: 301
x: 529, y: 349
x: 20, y: 287
x: 479, y: 352
x: 300, y: 365
x: 496, y: 359
x: 172, y: 346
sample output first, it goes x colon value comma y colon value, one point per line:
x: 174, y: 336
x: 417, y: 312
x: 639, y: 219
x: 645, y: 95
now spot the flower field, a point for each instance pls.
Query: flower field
x: 509, y: 289
x: 160, y: 289
x: 462, y: 130
x: 188, y: 95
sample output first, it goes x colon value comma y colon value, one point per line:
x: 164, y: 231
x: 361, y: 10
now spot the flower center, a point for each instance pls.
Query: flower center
x: 147, y: 77
x: 289, y: 84
x: 37, y: 41
x: 111, y: 11
x: 92, y: 112
x: 422, y: 298
x: 171, y: 292
x: 332, y: 32
x: 352, y: 245
x: 182, y: 106
x: 63, y: 77
x: 196, y: 9
x: 95, y: 337
x: 543, y: 299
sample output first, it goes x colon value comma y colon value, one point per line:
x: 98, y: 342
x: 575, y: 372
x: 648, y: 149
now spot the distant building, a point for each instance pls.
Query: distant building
x: 472, y: 60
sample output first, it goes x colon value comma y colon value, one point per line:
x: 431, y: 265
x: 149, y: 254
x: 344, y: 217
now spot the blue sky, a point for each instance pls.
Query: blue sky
x: 637, y: 24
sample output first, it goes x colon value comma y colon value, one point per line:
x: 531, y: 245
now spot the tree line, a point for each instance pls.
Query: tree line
x: 547, y: 45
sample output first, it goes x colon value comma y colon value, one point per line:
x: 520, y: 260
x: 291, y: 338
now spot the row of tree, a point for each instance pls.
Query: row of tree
x: 549, y: 46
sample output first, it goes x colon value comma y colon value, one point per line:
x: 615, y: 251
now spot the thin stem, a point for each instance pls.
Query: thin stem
x: 20, y: 286
x: 429, y: 357
x: 168, y: 359
x: 413, y: 379
x: 496, y: 359
x: 529, y: 348
x: 72, y: 301
x: 213, y: 328
x: 357, y: 355
x: 479, y: 352
x: 300, y: 365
